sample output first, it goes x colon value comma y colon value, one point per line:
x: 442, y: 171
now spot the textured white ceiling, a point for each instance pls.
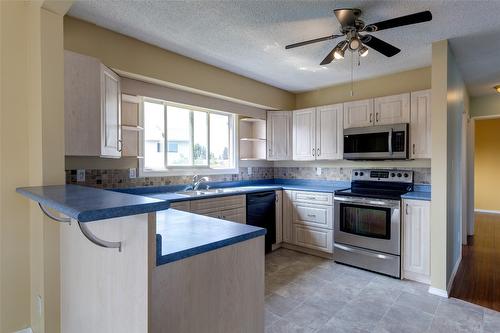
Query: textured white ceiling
x: 248, y: 37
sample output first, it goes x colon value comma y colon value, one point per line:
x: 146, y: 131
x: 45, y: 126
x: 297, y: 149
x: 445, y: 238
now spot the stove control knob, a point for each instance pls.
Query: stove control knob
x: 393, y: 174
x: 356, y: 173
x: 361, y: 173
x: 406, y: 175
x: 399, y: 174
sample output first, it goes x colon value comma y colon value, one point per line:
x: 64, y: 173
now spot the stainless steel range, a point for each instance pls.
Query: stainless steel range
x: 367, y: 222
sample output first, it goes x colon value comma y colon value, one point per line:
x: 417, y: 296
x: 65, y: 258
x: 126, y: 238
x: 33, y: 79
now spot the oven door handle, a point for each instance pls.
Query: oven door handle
x: 390, y: 141
x: 366, y: 253
x: 369, y: 202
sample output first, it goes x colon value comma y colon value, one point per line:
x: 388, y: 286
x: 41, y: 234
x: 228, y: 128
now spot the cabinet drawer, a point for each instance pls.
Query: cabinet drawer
x: 237, y: 215
x: 313, y: 215
x: 218, y: 204
x: 313, y: 197
x: 181, y: 205
x: 313, y: 238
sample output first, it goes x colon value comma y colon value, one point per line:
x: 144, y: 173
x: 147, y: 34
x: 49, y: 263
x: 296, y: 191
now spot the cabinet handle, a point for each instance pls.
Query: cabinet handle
x: 413, y: 149
x: 120, y: 145
x: 311, y: 215
x: 371, y: 117
x: 313, y: 152
x: 406, y: 209
x: 376, y: 117
x: 318, y: 152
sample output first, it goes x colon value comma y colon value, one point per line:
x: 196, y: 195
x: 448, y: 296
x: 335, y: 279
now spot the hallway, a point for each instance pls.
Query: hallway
x: 478, y: 277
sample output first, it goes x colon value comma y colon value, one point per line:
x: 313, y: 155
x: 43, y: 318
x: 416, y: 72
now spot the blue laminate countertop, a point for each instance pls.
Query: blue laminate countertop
x: 239, y: 187
x: 87, y: 204
x: 420, y: 192
x: 180, y: 235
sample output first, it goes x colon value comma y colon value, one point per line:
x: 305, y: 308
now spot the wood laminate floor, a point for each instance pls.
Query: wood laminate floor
x: 478, y: 277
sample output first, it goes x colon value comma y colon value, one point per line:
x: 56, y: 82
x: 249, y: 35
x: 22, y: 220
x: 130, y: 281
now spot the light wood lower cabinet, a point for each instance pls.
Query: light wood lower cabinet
x: 279, y: 217
x: 181, y: 205
x: 416, y: 240
x: 313, y: 238
x: 308, y: 220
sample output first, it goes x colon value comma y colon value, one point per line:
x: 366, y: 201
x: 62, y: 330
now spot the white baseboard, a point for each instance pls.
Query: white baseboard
x: 453, y: 273
x: 438, y: 292
x: 26, y: 330
x: 486, y: 211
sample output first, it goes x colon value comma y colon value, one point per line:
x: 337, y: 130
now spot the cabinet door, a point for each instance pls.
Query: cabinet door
x: 416, y: 240
x: 279, y: 217
x: 110, y: 114
x: 392, y: 109
x: 420, y: 124
x: 279, y: 137
x: 304, y: 135
x: 287, y: 216
x: 237, y: 215
x: 358, y: 113
x: 329, y: 132
x: 313, y: 238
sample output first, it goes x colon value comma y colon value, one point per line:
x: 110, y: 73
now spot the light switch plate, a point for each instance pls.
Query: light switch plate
x: 80, y: 175
x: 318, y: 171
x: 249, y: 169
x: 132, y: 173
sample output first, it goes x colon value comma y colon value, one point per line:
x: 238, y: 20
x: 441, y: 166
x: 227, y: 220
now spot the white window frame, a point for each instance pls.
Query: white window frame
x: 189, y: 170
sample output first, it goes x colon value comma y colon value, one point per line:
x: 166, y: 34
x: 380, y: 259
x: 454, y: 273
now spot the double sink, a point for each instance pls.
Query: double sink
x: 197, y: 193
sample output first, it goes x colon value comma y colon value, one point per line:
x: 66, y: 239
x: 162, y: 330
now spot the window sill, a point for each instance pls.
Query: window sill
x: 187, y: 172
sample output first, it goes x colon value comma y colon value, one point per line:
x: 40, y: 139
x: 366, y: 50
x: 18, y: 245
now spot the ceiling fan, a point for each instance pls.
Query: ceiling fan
x: 357, y: 36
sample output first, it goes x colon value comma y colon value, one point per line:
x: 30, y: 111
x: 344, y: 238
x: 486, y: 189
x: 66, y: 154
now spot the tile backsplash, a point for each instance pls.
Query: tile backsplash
x: 119, y: 178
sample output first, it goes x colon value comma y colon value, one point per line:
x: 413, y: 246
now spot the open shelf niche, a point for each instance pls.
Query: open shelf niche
x: 131, y: 131
x: 252, y: 133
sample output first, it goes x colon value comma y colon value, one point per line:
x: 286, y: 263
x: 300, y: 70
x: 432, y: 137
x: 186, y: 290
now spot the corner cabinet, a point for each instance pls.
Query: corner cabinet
x: 279, y: 136
x: 92, y: 108
x: 416, y: 240
x: 420, y: 124
x: 318, y: 133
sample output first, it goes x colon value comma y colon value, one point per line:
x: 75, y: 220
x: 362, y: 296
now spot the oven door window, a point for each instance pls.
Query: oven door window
x: 373, y: 222
x: 367, y: 143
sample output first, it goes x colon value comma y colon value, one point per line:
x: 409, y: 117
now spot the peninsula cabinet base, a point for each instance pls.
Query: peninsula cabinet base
x: 220, y: 291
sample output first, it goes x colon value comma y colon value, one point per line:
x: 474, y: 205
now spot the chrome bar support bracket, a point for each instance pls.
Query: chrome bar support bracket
x: 55, y: 218
x: 85, y: 231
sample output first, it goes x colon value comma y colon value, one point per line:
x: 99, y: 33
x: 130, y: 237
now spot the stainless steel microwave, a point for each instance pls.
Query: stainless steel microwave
x: 387, y: 142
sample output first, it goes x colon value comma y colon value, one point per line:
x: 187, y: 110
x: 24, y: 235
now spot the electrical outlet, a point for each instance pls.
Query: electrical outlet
x: 318, y: 171
x: 80, y: 175
x: 132, y: 173
x: 249, y: 169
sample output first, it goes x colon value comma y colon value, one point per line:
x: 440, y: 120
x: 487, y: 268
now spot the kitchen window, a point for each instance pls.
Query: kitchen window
x: 184, y: 140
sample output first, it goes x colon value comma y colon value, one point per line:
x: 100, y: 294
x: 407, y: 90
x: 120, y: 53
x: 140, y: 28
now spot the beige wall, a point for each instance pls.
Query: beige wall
x: 485, y: 106
x: 487, y: 163
x: 129, y: 55
x: 392, y: 84
x: 31, y: 148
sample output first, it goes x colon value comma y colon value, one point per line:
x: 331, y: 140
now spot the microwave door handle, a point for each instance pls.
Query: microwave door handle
x: 390, y: 141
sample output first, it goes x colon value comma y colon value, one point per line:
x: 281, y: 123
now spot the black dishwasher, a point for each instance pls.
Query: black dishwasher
x: 261, y: 212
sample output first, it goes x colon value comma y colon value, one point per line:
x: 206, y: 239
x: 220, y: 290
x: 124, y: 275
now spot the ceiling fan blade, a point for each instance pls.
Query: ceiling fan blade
x: 329, y: 57
x: 379, y: 45
x: 316, y: 40
x: 400, y: 21
x: 347, y: 16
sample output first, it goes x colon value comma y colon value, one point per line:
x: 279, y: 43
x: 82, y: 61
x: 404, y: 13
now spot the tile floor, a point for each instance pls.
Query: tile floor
x: 310, y: 294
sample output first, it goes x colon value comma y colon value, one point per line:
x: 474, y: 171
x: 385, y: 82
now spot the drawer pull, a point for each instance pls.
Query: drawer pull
x: 311, y: 215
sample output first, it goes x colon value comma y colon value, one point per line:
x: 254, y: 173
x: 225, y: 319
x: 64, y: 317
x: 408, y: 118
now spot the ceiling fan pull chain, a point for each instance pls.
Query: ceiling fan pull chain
x: 352, y: 75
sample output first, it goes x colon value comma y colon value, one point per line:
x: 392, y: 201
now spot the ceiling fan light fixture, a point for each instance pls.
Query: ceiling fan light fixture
x: 354, y: 43
x: 340, y: 50
x: 363, y: 51
x: 497, y: 88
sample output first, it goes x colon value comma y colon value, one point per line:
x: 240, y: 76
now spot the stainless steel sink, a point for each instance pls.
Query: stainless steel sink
x: 212, y: 191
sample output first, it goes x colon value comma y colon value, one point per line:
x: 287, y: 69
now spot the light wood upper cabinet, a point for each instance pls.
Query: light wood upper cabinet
x: 304, y: 134
x: 279, y: 136
x: 358, y: 113
x: 393, y: 109
x: 91, y: 107
x: 420, y: 124
x: 329, y: 132
x: 318, y: 133
x: 416, y: 240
